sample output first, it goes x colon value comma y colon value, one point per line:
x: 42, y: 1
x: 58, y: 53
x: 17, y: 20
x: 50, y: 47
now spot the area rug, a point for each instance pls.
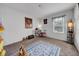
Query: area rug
x: 41, y: 48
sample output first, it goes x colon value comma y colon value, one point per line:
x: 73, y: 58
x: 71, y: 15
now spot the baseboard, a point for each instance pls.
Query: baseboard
x: 57, y: 39
x: 12, y: 43
x: 76, y: 46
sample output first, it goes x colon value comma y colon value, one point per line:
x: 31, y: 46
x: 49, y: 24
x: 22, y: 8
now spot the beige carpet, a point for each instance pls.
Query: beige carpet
x: 66, y: 49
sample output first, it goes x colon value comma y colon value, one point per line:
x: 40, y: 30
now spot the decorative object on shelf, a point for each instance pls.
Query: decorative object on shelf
x: 28, y: 22
x: 70, y: 31
x: 45, y: 21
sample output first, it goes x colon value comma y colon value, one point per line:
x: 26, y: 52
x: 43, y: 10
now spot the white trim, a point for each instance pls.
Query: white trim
x: 62, y: 26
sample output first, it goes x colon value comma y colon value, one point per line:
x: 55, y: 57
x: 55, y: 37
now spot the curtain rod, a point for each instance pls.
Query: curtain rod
x: 58, y: 16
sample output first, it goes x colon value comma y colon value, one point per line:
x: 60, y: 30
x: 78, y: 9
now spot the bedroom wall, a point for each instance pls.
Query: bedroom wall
x: 14, y: 25
x: 49, y: 26
x: 76, y: 16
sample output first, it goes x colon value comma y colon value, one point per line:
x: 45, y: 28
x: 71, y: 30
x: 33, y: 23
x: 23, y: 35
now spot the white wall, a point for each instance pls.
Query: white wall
x: 49, y: 26
x: 76, y: 16
x: 13, y: 22
x: 14, y: 25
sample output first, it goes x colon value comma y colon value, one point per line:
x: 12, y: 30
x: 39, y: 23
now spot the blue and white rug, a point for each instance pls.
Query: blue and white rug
x: 41, y: 48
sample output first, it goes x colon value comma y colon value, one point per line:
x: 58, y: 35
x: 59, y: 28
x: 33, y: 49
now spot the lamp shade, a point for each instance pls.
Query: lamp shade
x: 39, y: 26
x: 70, y: 24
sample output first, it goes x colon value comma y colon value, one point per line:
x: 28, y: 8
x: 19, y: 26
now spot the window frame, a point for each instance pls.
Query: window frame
x: 54, y: 25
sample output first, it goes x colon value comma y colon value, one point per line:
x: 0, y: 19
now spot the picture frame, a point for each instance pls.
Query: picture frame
x: 45, y: 21
x: 28, y: 22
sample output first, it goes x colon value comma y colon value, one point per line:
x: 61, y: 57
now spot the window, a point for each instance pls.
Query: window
x: 58, y: 24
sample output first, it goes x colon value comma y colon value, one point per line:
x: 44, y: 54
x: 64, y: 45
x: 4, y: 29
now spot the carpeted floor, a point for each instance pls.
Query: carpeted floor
x: 66, y: 49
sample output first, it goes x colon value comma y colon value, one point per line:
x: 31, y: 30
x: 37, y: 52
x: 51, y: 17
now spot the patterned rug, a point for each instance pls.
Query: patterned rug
x: 41, y: 48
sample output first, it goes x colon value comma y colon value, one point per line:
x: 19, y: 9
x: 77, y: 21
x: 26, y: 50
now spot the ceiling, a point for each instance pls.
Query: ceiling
x: 39, y: 9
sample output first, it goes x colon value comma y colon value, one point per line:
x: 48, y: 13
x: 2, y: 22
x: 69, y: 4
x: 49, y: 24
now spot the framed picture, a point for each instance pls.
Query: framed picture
x: 45, y: 21
x: 58, y: 25
x: 28, y: 22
